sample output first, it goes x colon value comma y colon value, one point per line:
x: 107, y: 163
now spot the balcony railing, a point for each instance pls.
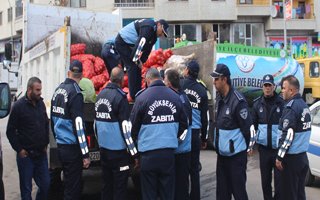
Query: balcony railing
x: 133, y: 3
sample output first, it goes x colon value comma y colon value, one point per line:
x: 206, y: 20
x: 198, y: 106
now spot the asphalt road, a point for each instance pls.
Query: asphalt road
x: 92, y: 186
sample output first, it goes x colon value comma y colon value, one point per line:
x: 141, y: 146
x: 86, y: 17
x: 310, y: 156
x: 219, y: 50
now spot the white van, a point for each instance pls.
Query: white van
x: 314, y: 147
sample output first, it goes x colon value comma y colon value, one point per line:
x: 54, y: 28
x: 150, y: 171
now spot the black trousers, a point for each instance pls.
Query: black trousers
x: 115, y: 173
x: 232, y: 177
x: 134, y: 72
x: 267, y: 165
x: 71, y: 159
x: 157, y: 174
x: 195, y: 163
x: 293, y: 176
x: 182, y: 162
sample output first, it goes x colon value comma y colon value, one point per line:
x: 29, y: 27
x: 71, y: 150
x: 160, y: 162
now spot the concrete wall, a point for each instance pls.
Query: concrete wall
x: 196, y: 10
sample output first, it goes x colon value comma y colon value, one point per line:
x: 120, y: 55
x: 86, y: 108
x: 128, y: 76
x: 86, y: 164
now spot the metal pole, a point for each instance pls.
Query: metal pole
x: 284, y: 26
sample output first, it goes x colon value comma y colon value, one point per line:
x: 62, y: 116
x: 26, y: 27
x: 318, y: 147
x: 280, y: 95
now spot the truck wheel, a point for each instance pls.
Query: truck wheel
x: 309, y: 178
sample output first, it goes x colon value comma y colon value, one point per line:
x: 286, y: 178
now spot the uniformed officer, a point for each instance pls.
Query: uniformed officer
x: 68, y: 129
x: 183, y: 152
x: 197, y: 95
x: 130, y: 40
x: 231, y: 137
x: 267, y: 110
x: 295, y: 125
x: 112, y: 111
x: 157, y: 122
x: 110, y: 55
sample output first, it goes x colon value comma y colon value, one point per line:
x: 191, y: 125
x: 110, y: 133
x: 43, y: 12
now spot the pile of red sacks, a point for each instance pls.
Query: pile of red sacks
x: 94, y: 67
x: 156, y: 59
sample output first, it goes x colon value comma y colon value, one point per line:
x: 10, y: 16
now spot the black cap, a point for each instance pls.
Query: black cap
x: 76, y: 66
x: 268, y: 79
x: 221, y: 70
x: 193, y: 66
x: 165, y: 26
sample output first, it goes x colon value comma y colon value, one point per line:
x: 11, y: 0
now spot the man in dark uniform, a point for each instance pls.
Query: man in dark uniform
x: 183, y: 152
x: 231, y: 137
x: 267, y: 110
x: 127, y: 44
x: 68, y: 129
x: 112, y: 113
x: 28, y: 134
x: 197, y: 95
x: 295, y: 125
x: 158, y: 120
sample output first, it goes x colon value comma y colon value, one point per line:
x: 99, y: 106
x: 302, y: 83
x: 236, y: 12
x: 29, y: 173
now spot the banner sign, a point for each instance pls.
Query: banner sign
x: 248, y: 69
x: 299, y: 47
x: 288, y: 7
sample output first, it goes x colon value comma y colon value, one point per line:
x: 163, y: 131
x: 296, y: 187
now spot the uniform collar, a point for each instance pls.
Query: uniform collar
x: 296, y: 96
x: 69, y: 80
x: 157, y: 83
x: 113, y: 86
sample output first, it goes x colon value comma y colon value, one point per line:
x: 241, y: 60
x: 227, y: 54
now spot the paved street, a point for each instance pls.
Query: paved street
x: 93, y: 183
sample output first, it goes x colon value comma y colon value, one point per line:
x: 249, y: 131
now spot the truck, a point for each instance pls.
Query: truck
x: 310, y: 68
x: 5, y: 106
x: 48, y: 33
x: 9, y: 74
x: 247, y: 66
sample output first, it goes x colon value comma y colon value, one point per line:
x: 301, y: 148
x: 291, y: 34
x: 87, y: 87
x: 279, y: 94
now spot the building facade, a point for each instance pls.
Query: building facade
x: 250, y: 22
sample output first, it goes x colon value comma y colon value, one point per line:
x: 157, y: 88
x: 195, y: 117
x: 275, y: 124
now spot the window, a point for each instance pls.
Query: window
x: 279, y: 7
x: 315, y: 115
x: 245, y: 1
x: 9, y: 14
x: 222, y: 32
x: 0, y: 18
x: 77, y: 3
x: 83, y: 3
x: 19, y: 8
x: 314, y: 70
x: 249, y: 34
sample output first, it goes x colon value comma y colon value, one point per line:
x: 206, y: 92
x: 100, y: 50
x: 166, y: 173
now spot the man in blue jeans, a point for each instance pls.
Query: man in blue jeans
x: 28, y: 134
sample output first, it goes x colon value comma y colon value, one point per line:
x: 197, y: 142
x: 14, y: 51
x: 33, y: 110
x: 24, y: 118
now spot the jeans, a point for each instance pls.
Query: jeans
x: 36, y: 168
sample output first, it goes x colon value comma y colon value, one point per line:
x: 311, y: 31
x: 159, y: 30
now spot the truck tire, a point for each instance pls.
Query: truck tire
x: 309, y: 178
